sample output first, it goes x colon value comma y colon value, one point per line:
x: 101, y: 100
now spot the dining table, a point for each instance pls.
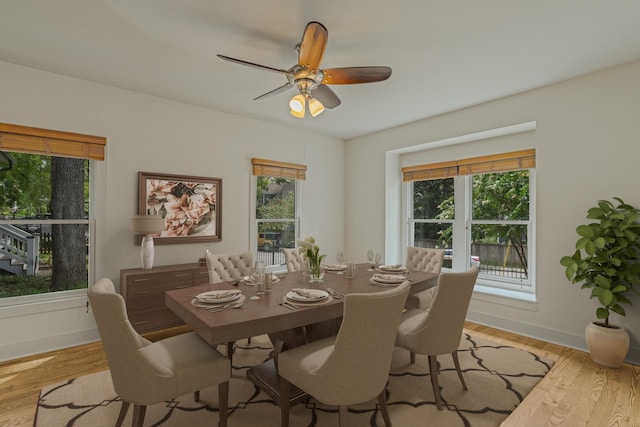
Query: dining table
x: 272, y: 316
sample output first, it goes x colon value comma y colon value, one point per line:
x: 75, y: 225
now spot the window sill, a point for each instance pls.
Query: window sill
x: 33, y: 304
x: 511, y: 298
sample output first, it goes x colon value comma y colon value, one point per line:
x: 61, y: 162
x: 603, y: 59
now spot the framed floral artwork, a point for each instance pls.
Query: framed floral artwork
x: 190, y: 205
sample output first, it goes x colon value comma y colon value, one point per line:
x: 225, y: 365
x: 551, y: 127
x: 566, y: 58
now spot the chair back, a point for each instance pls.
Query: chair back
x: 440, y: 330
x: 424, y: 259
x: 294, y: 259
x: 361, y: 357
x: 129, y: 364
x: 225, y: 267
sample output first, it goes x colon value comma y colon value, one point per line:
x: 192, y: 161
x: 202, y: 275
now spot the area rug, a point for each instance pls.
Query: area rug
x: 498, y: 378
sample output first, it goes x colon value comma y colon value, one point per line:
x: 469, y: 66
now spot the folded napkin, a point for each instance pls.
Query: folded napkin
x: 215, y: 295
x: 250, y: 279
x: 394, y: 267
x: 310, y: 293
x: 335, y: 266
x: 387, y: 278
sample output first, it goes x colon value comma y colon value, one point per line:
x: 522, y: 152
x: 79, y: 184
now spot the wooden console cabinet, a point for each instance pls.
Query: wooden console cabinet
x: 143, y: 292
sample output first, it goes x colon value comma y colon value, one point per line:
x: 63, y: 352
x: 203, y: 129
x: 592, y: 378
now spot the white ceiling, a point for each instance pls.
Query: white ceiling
x: 445, y: 54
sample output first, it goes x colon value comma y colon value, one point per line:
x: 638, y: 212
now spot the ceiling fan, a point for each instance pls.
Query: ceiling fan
x: 310, y: 80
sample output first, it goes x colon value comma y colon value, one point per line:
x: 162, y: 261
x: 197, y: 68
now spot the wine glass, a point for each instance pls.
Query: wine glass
x: 370, y: 255
x: 340, y: 257
x: 378, y: 259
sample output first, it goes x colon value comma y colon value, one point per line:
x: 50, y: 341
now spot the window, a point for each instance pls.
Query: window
x: 481, y: 212
x: 45, y: 230
x: 276, y: 209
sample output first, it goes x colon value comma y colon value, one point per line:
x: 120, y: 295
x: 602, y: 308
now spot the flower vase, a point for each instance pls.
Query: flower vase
x: 316, y: 270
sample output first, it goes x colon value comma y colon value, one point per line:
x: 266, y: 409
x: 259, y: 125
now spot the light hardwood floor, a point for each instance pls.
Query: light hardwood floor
x: 576, y: 392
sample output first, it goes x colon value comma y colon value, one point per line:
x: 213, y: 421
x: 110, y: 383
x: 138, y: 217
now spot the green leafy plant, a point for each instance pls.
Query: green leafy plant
x: 606, y: 256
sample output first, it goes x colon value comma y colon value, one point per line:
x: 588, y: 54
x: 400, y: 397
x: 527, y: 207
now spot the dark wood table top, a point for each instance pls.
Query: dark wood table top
x: 257, y: 317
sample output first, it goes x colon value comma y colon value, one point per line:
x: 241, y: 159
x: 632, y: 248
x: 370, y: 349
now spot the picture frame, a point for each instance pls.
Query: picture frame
x: 190, y: 205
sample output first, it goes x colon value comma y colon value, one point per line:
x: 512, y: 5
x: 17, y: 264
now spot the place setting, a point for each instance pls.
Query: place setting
x: 386, y: 280
x: 300, y: 297
x: 221, y: 299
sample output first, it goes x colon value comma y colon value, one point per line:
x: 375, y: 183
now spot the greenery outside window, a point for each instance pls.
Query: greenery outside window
x: 481, y: 212
x: 276, y: 209
x: 45, y: 228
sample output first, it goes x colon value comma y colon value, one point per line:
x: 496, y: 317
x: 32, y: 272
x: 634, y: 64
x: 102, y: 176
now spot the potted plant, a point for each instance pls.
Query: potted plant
x: 606, y: 262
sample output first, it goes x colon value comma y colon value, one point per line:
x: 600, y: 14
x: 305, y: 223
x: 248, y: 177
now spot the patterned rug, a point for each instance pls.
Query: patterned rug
x: 498, y: 378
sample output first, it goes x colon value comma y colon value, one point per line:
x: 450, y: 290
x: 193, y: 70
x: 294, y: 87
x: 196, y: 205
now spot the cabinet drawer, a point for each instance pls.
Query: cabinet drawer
x: 150, y: 290
x: 148, y: 320
x: 201, y: 276
x: 162, y: 277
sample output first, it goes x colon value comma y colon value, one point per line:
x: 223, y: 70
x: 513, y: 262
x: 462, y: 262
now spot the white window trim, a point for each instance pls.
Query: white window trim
x: 253, y: 224
x: 396, y: 214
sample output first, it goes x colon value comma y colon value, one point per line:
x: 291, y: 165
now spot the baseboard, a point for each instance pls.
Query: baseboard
x: 44, y: 345
x: 566, y: 339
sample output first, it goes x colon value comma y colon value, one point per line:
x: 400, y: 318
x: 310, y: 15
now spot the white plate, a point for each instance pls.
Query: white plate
x: 314, y: 295
x: 241, y: 298
x: 219, y: 296
x: 392, y: 268
x: 250, y: 281
x: 387, y: 278
x: 335, y: 267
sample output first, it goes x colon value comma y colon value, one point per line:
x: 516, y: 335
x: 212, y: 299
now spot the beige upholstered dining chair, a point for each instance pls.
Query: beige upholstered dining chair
x: 438, y: 329
x: 423, y: 259
x: 146, y: 373
x: 293, y: 258
x: 352, y: 367
x: 226, y: 267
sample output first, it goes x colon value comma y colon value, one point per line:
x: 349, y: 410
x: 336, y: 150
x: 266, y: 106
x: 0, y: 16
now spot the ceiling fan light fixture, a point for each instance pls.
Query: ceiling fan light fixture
x: 297, y: 105
x: 315, y: 107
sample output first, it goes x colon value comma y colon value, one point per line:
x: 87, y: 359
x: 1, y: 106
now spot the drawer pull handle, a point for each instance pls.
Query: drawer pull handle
x: 181, y: 275
x: 142, y: 322
x: 141, y: 280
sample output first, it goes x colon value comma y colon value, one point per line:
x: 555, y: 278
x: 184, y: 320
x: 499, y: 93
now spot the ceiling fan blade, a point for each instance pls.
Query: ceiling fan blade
x: 312, y: 46
x: 251, y: 64
x: 353, y: 75
x: 275, y: 91
x: 326, y: 96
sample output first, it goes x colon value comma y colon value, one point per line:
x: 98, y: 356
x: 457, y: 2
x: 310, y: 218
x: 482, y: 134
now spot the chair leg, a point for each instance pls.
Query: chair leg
x: 223, y: 403
x: 457, y: 363
x: 196, y: 396
x: 382, y: 400
x: 249, y: 340
x: 123, y: 413
x: 433, y: 370
x: 285, y: 395
x: 412, y: 357
x: 343, y: 411
x: 138, y: 415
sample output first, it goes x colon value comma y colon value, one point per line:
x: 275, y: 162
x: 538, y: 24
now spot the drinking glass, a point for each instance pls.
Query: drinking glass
x: 370, y: 258
x: 340, y: 258
x: 258, y: 276
x: 378, y: 259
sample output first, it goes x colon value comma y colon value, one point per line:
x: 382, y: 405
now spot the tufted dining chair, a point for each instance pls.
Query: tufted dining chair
x: 438, y: 329
x: 146, y: 373
x: 229, y: 267
x: 353, y: 366
x: 293, y: 258
x: 423, y: 259
x: 226, y: 267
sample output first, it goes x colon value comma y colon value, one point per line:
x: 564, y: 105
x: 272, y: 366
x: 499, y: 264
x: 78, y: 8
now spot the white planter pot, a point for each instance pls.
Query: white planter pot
x: 608, y: 346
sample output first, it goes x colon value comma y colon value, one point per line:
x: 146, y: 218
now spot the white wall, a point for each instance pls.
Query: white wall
x: 587, y: 147
x: 155, y: 135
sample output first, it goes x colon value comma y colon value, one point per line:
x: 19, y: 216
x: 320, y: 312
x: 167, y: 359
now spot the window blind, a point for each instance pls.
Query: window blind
x: 263, y: 167
x: 23, y: 139
x: 524, y: 159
